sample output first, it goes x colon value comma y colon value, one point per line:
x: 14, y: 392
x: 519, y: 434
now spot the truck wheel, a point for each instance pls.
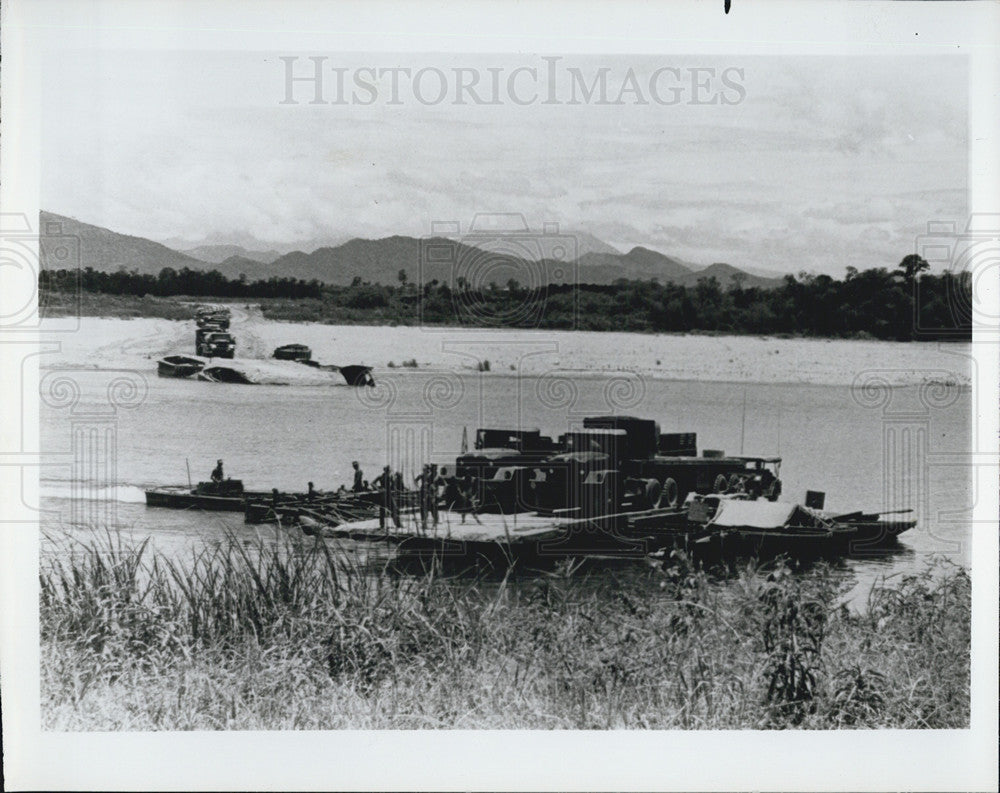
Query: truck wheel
x: 668, y: 495
x: 652, y: 492
x: 721, y: 484
x: 736, y: 484
x: 774, y: 490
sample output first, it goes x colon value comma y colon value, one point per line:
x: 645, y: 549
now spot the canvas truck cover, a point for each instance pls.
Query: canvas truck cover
x: 734, y: 513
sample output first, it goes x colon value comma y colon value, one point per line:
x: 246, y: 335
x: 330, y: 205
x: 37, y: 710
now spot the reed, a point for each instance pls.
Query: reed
x: 297, y: 635
x: 96, y: 304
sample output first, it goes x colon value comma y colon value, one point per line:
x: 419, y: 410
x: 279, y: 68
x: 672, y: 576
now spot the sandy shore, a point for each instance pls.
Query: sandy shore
x: 137, y: 343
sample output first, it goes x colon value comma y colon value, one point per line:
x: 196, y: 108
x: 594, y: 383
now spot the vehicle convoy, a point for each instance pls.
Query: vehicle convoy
x: 613, y: 463
x: 213, y: 316
x: 213, y: 342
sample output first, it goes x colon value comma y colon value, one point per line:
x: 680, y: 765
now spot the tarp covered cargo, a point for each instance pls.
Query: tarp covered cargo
x: 762, y: 514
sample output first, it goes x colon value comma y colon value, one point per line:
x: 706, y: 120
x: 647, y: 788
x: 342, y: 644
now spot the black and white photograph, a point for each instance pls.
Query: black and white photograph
x: 496, y: 396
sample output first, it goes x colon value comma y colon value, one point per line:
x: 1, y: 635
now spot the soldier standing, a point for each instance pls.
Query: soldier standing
x: 430, y: 481
x: 436, y: 483
x: 387, y: 503
x: 470, y: 497
x: 452, y: 493
x: 423, y: 479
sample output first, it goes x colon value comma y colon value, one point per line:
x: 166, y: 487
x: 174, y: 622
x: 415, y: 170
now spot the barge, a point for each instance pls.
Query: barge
x: 615, y: 486
x: 225, y: 496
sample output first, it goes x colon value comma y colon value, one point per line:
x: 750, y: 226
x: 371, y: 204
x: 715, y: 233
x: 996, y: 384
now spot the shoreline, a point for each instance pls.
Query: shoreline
x: 188, y: 304
x: 102, y: 343
x: 430, y: 646
x: 575, y: 374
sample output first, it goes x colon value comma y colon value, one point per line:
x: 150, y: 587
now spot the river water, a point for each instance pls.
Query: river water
x: 106, y: 435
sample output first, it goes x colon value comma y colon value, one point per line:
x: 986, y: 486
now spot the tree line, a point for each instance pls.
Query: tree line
x: 170, y: 282
x: 902, y: 304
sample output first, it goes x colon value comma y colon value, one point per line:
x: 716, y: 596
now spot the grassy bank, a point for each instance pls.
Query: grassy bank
x: 97, y: 304
x: 297, y: 637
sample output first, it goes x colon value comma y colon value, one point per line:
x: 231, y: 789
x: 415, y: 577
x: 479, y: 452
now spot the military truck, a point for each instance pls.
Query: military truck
x: 496, y: 447
x: 499, y: 461
x: 619, y: 463
x: 672, y: 460
x: 586, y: 477
x: 213, y: 342
x: 213, y: 316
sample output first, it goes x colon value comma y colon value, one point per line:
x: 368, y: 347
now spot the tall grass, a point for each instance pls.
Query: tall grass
x: 97, y: 304
x: 296, y: 635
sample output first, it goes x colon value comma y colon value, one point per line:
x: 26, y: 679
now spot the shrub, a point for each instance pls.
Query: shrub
x: 296, y: 633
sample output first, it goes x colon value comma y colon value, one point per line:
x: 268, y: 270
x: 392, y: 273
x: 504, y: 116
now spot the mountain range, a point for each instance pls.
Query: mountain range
x: 102, y: 249
x: 216, y: 254
x: 486, y: 260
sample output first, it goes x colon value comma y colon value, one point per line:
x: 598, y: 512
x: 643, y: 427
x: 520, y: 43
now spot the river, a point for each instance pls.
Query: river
x: 106, y: 435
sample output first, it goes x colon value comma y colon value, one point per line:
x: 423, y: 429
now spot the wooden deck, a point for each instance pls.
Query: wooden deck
x: 625, y: 533
x: 483, y: 528
x: 515, y: 532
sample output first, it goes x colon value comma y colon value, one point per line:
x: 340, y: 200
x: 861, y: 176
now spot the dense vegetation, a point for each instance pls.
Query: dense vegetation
x: 202, y: 283
x: 901, y: 304
x: 295, y: 635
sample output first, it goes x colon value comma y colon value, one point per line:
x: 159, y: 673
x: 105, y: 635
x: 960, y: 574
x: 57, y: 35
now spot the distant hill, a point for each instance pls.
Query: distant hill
x: 381, y: 260
x: 644, y: 264
x: 773, y: 275
x: 588, y: 243
x: 724, y: 273
x: 639, y: 263
x: 532, y: 245
x: 242, y: 243
x: 254, y: 270
x: 584, y: 244
x: 105, y: 250
x: 216, y: 254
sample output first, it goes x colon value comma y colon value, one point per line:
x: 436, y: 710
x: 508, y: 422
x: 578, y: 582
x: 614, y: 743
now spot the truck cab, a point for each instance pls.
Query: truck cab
x: 503, y: 447
x: 214, y: 343
x: 499, y: 464
x: 584, y: 478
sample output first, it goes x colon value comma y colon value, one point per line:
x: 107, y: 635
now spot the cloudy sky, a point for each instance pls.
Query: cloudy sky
x: 801, y: 163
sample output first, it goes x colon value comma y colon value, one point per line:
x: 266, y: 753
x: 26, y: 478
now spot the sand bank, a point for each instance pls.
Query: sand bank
x: 137, y: 343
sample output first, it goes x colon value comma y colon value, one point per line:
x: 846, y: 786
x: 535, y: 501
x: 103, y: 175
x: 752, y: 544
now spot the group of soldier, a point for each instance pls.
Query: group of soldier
x: 458, y: 493
x: 432, y: 486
